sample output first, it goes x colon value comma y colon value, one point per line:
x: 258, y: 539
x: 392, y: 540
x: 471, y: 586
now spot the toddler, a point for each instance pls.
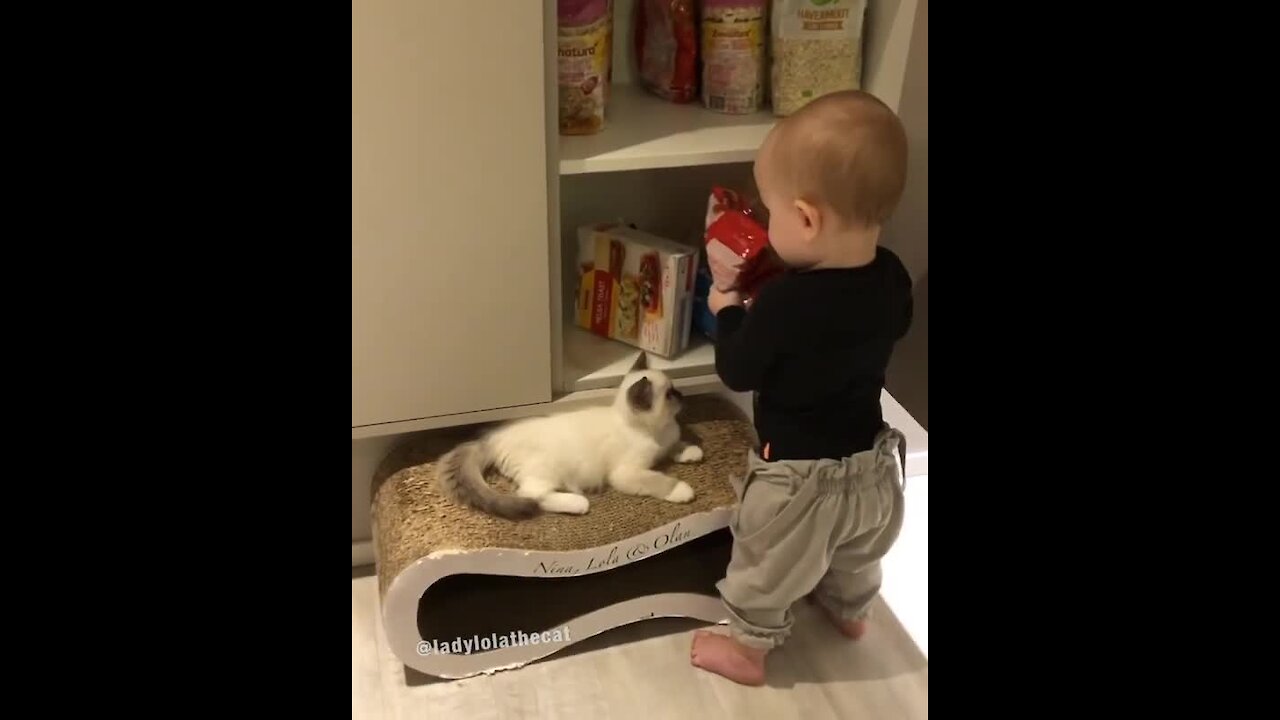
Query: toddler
x: 821, y: 502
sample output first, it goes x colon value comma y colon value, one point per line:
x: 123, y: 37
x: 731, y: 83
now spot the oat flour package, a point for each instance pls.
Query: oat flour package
x: 816, y: 48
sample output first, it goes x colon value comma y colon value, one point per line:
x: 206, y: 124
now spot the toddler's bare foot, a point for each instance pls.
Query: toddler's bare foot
x: 852, y: 629
x: 726, y: 657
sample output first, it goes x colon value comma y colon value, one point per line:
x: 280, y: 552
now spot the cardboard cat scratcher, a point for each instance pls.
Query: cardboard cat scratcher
x: 464, y: 593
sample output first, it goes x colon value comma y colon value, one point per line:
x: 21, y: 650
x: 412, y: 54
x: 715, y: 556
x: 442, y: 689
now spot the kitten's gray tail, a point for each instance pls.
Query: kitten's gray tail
x: 461, y: 477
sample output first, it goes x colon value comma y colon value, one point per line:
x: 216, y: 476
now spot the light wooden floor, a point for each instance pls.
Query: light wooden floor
x: 643, y: 671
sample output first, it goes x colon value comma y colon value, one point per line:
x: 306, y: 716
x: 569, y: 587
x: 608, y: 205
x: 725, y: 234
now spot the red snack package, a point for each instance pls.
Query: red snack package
x: 738, y: 251
x: 666, y: 40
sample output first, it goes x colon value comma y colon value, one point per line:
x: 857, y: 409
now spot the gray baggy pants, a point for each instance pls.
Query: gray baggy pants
x: 817, y: 526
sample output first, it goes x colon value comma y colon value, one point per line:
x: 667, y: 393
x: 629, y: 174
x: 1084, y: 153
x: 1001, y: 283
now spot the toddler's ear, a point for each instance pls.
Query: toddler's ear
x: 810, y: 219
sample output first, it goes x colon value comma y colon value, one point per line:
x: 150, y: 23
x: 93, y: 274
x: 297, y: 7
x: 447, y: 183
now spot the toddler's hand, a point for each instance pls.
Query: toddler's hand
x: 723, y: 274
x: 717, y: 300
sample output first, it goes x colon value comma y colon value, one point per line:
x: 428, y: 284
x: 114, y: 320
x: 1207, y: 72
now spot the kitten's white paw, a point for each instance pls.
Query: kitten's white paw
x: 689, y: 454
x: 681, y: 493
x: 568, y: 503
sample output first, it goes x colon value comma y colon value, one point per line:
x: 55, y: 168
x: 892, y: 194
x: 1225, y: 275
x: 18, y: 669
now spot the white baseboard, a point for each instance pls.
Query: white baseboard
x: 361, y: 553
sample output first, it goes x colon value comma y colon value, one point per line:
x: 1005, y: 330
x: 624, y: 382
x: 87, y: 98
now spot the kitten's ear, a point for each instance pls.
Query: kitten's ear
x: 640, y: 395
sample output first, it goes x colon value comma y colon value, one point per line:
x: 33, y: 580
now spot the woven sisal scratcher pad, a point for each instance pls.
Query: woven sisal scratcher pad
x: 412, y: 519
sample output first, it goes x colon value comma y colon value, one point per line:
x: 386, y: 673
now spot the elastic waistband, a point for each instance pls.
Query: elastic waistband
x: 833, y: 474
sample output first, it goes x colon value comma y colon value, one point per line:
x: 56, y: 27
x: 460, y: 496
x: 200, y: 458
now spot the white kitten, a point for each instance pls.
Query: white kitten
x: 554, y: 460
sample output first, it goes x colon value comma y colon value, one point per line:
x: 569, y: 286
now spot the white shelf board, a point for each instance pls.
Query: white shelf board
x: 697, y: 385
x: 643, y: 131
x: 592, y: 362
x: 698, y: 359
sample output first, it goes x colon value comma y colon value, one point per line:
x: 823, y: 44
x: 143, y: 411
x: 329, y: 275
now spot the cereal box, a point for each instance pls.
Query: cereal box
x: 635, y: 287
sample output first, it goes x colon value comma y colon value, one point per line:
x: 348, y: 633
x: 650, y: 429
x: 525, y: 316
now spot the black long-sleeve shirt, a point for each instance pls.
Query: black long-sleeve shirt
x: 814, y: 346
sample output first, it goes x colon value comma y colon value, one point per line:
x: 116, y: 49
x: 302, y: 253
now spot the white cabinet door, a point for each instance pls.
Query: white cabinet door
x: 450, y: 283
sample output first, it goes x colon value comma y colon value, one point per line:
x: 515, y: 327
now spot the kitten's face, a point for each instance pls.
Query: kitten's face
x: 652, y: 394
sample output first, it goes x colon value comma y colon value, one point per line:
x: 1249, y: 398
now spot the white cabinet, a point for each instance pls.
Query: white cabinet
x: 465, y: 200
x: 450, y: 294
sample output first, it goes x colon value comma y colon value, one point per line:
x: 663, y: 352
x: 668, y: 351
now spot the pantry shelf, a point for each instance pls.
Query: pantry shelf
x: 643, y: 131
x: 698, y: 359
x: 593, y: 363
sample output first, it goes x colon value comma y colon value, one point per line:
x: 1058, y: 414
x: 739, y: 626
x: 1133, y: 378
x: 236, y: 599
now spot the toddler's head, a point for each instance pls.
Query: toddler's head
x: 831, y: 175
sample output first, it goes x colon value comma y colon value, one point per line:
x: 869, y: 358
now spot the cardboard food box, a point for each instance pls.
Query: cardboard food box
x: 635, y: 287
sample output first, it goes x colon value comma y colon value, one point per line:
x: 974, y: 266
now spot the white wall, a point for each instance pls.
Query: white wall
x: 908, y: 232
